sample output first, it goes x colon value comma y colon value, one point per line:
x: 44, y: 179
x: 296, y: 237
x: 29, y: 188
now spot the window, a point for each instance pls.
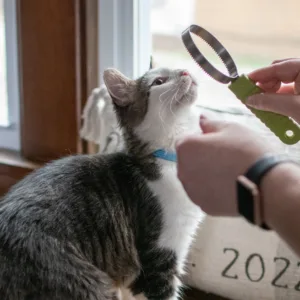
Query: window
x: 253, y: 32
x: 132, y: 30
x: 55, y: 39
x: 9, y: 91
x: 124, y: 36
x: 3, y: 80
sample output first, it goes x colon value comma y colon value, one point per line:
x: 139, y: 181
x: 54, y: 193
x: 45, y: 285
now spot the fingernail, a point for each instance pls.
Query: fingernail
x: 203, y: 117
x: 251, y: 101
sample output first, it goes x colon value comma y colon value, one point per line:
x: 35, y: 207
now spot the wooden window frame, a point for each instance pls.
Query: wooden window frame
x: 58, y: 64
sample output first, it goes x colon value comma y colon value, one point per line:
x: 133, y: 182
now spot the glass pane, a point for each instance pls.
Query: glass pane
x: 3, y: 85
x: 254, y: 32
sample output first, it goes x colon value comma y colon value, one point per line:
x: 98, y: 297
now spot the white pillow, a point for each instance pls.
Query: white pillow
x: 234, y: 259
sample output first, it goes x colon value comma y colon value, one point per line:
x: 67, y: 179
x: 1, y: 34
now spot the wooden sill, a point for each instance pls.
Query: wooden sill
x: 13, y: 168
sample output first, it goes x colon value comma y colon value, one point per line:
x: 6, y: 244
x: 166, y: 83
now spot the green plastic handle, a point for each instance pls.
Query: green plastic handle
x: 283, y: 127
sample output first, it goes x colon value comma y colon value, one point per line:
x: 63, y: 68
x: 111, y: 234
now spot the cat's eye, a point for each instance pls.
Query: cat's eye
x: 159, y: 81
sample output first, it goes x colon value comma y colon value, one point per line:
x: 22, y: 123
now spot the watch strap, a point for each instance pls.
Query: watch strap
x: 246, y: 204
x: 261, y: 167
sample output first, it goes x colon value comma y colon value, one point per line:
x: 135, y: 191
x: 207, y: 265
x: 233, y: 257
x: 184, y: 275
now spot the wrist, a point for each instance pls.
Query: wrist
x: 251, y: 192
x: 279, y: 186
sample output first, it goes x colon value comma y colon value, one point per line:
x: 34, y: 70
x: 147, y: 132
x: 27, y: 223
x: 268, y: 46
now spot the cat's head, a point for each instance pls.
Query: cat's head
x: 155, y: 108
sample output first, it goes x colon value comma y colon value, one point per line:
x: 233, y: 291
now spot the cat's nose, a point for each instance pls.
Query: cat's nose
x: 185, y: 73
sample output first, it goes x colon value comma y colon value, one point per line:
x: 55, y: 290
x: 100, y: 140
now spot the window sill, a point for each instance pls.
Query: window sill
x: 13, y: 168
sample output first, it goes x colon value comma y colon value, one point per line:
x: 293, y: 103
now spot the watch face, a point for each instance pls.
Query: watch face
x: 249, y: 200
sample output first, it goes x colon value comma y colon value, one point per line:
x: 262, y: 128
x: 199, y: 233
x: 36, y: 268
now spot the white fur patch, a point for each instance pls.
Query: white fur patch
x: 170, y: 116
x: 180, y: 215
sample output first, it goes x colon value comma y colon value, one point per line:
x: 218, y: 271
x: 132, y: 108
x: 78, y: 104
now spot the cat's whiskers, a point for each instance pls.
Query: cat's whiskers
x: 177, y: 100
x: 169, y: 90
x: 171, y: 102
x: 164, y: 105
x: 189, y: 93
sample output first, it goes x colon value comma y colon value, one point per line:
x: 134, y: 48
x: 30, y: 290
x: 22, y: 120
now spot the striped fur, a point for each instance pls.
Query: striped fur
x: 84, y: 227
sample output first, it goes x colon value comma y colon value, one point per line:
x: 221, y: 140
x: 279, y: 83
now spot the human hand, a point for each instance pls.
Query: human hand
x: 280, y: 99
x: 209, y: 164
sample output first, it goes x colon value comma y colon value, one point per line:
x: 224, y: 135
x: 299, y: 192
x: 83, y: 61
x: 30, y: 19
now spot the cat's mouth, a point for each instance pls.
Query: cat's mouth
x: 189, y: 95
x: 186, y: 74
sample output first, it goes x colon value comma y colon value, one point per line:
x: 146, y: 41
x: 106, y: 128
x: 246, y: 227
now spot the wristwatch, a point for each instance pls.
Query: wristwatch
x: 250, y: 202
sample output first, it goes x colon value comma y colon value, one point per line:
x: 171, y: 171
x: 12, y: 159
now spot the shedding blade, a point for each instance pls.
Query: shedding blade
x: 283, y: 127
x: 217, y: 47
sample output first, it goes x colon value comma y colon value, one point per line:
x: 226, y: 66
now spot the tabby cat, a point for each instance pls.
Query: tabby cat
x: 86, y: 227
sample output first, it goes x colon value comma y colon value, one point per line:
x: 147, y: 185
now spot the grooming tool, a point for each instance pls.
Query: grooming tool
x: 283, y: 127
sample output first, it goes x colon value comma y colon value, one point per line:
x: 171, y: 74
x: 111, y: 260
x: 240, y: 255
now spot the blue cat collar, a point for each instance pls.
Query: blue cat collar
x: 163, y: 154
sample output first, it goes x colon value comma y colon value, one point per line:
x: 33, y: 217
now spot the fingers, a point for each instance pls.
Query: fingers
x: 287, y: 89
x: 276, y: 61
x: 186, y: 149
x: 207, y: 126
x: 271, y: 86
x: 284, y: 104
x: 186, y: 144
x: 285, y: 71
x: 211, y: 126
x: 278, y: 88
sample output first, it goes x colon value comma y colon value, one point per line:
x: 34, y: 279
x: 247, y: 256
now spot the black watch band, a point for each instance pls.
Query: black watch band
x: 247, y: 206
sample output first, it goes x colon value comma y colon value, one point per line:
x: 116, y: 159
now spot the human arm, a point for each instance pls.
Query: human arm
x: 281, y: 200
x: 209, y: 164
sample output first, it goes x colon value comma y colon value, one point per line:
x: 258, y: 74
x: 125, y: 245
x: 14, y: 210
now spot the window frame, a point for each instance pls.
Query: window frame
x: 10, y: 134
x: 124, y: 36
x: 57, y: 54
x: 53, y: 68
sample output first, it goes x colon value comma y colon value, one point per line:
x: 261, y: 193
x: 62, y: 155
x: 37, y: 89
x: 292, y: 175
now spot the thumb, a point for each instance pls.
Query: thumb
x: 210, y: 126
x: 284, y: 104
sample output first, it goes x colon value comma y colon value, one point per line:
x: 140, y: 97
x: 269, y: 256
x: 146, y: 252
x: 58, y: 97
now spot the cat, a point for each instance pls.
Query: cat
x: 86, y: 227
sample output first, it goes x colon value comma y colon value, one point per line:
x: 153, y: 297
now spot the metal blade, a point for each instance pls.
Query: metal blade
x: 202, y: 61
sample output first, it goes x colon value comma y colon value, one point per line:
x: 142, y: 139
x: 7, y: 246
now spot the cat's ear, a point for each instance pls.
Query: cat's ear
x: 120, y: 87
